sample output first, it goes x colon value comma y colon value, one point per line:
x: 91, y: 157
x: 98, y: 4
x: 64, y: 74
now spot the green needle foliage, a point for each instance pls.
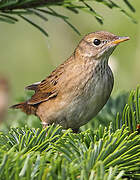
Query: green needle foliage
x: 12, y: 10
x: 110, y: 152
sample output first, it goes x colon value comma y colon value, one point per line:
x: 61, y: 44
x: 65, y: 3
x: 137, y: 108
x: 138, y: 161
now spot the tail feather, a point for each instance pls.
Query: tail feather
x: 28, y: 109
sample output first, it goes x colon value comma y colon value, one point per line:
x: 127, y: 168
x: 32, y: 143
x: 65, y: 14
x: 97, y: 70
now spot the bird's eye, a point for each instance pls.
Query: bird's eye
x: 97, y: 42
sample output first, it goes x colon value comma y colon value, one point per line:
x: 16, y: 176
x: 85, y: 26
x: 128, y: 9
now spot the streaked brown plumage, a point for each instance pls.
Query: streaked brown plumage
x: 77, y: 89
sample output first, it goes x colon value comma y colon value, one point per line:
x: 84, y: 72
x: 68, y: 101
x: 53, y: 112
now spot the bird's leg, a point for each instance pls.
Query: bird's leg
x: 76, y: 130
x: 44, y: 125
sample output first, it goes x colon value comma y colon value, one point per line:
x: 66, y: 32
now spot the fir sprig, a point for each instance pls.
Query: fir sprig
x: 111, y: 152
x: 12, y: 10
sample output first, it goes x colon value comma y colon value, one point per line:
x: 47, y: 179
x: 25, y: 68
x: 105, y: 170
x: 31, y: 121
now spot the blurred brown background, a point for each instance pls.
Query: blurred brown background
x: 27, y: 56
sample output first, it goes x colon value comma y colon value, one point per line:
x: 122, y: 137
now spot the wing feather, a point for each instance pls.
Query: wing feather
x: 32, y: 86
x: 46, y: 89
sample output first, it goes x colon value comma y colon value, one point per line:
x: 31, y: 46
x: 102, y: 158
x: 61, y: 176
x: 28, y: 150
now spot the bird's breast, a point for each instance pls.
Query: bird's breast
x: 96, y: 89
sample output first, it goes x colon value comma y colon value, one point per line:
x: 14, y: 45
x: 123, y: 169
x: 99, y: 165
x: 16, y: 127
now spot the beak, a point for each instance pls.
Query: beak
x: 119, y: 40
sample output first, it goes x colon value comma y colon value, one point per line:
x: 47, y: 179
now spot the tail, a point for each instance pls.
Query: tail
x: 25, y: 107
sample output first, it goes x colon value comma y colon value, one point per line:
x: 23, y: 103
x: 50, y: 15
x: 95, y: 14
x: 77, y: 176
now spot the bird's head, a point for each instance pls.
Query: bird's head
x: 99, y: 44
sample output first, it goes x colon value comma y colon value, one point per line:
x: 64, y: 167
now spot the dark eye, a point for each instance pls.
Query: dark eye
x: 97, y: 42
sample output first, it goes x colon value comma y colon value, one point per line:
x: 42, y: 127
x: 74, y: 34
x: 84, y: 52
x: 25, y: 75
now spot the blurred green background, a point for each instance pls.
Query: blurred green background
x: 27, y: 56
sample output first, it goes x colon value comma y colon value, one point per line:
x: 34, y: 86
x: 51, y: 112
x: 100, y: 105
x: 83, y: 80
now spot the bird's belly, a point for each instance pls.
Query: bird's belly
x: 82, y: 109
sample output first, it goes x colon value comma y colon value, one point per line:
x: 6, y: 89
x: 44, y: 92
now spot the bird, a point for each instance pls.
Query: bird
x: 77, y: 89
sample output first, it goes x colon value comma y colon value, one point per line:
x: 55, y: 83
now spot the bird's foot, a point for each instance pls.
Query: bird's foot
x: 76, y: 130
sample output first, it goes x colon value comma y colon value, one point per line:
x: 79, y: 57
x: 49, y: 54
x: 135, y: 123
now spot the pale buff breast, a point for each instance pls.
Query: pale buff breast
x: 98, y: 91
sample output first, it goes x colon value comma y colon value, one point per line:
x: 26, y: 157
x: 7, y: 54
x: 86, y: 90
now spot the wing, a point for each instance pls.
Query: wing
x: 32, y: 86
x: 46, y: 89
